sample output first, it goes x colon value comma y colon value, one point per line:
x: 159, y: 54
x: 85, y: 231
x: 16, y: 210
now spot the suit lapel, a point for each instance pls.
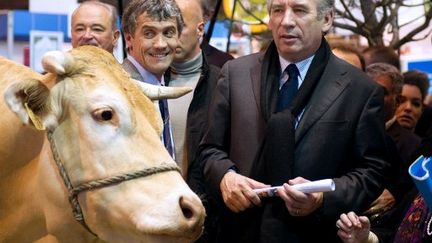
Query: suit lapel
x: 131, y: 69
x: 332, y: 84
x: 255, y: 74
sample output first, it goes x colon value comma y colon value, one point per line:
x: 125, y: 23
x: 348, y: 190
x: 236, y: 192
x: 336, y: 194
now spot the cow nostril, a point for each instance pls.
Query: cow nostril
x: 187, y: 213
x: 186, y: 208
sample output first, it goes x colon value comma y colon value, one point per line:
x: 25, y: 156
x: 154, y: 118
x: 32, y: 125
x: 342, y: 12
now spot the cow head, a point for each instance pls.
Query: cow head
x: 103, y: 125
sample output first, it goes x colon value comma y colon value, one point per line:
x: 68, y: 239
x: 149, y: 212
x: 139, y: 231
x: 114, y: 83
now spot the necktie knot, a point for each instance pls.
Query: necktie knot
x: 289, y: 88
x: 292, y: 71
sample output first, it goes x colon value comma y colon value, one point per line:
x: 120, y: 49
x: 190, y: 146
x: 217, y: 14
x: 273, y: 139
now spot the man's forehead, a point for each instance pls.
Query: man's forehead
x: 294, y: 2
x: 92, y: 10
x: 90, y: 22
x: 145, y: 20
x: 85, y: 16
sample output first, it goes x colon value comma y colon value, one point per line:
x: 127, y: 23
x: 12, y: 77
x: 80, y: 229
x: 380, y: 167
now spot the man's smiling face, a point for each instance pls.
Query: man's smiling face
x: 153, y: 44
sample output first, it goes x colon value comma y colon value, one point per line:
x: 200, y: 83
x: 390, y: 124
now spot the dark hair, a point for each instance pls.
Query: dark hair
x: 160, y: 10
x: 323, y: 6
x: 374, y: 54
x: 377, y: 69
x: 419, y: 79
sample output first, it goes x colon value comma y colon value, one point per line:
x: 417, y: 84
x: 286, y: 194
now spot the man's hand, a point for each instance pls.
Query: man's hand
x: 237, y: 191
x: 383, y: 203
x: 355, y: 229
x: 299, y: 203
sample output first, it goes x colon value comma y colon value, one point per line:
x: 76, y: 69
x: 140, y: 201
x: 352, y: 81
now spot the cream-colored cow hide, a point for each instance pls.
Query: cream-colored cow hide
x: 102, y: 125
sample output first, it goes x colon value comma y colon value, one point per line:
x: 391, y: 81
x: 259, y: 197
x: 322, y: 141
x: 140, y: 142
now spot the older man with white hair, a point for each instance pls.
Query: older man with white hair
x: 95, y: 23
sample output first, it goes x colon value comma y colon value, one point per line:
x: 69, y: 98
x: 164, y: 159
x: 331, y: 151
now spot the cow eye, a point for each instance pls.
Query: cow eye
x: 104, y: 114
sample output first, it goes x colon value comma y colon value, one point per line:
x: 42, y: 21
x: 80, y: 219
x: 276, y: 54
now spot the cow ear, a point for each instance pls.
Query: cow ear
x: 155, y: 92
x: 28, y: 100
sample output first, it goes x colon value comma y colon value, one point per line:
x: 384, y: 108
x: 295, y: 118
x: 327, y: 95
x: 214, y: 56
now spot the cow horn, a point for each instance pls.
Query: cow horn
x: 56, y: 62
x: 155, y: 92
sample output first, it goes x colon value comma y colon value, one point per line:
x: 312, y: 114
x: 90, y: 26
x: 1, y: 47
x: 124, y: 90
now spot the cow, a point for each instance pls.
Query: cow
x: 81, y: 158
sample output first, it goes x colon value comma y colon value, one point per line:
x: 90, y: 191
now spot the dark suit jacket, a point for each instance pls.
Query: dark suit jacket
x: 196, y: 125
x: 340, y: 136
x: 402, y: 145
x: 406, y: 142
x: 215, y: 56
x: 424, y: 124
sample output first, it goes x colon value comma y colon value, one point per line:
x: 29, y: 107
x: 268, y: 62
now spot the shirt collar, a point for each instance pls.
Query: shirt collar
x: 303, y: 67
x: 147, y: 76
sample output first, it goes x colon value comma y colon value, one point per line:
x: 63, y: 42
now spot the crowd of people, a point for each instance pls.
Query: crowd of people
x: 301, y: 110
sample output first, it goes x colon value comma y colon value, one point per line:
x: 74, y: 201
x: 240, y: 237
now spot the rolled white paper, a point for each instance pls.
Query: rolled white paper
x: 325, y: 185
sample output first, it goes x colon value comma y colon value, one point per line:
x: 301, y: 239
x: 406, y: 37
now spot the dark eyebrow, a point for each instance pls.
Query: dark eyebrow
x: 170, y: 28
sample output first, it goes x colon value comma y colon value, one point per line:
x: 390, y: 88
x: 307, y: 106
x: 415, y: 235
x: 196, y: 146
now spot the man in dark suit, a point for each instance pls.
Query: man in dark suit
x: 188, y: 114
x: 333, y: 128
x: 190, y: 69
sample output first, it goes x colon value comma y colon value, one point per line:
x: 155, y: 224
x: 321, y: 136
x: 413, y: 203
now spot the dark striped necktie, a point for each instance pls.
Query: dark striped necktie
x: 289, y: 88
x: 163, y: 107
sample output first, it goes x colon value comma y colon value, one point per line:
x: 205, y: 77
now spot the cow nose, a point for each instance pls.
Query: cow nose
x: 187, y: 208
x: 193, y: 213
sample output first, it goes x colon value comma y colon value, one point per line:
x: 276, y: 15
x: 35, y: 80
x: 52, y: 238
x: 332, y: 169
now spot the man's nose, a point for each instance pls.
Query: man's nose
x: 88, y: 34
x: 160, y: 41
x: 288, y: 18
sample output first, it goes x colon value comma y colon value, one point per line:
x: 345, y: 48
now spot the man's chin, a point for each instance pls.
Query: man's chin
x: 179, y: 57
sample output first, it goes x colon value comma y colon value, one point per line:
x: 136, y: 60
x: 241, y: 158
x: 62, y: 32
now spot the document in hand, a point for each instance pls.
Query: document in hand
x: 308, y: 187
x: 420, y: 172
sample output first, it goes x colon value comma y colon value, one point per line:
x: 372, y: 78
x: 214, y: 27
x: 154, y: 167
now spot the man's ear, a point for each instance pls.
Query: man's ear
x: 128, y: 39
x: 327, y: 21
x: 201, y: 29
x: 116, y: 37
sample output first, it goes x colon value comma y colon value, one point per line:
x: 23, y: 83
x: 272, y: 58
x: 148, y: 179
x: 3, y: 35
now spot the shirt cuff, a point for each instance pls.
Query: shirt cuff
x: 232, y: 169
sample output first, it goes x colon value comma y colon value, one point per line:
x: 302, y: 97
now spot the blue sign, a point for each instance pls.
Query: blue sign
x: 424, y: 66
